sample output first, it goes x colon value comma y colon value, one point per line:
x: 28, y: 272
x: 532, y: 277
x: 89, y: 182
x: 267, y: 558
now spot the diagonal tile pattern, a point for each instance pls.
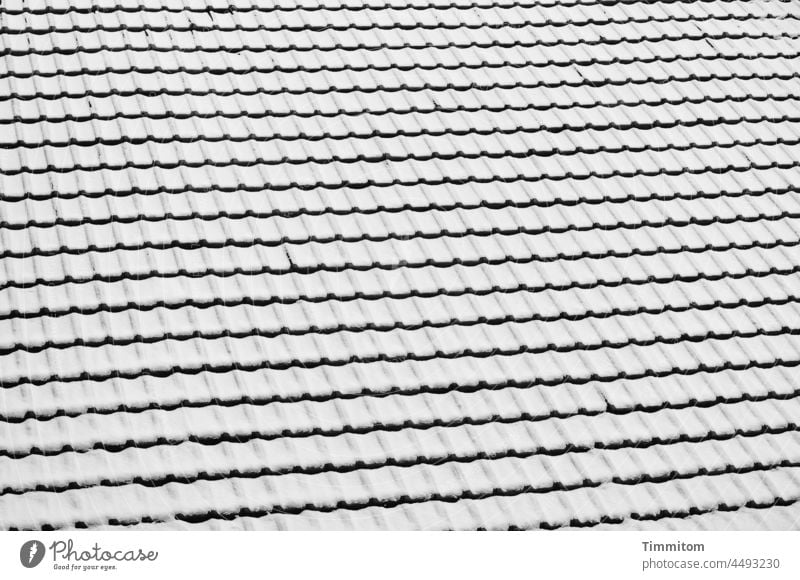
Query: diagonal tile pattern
x: 400, y: 265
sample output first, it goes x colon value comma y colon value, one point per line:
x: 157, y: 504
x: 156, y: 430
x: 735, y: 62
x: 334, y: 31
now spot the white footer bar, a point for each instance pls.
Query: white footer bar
x: 399, y: 555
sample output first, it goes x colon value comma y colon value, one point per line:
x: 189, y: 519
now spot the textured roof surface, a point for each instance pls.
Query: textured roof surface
x: 491, y: 264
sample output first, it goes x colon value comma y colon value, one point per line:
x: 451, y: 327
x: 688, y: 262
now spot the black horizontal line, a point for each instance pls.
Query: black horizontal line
x: 385, y: 294
x: 672, y: 514
x: 608, y: 409
x: 472, y: 495
x: 727, y: 98
x: 602, y: 41
x: 472, y: 179
x: 393, y: 158
x: 447, y: 131
x: 360, y: 464
x: 406, y: 207
x: 478, y: 386
x: 382, y: 158
x: 574, y: 522
x: 416, y: 66
x: 398, y: 325
x: 192, y: 27
x: 382, y: 357
x: 242, y: 438
x: 162, y: 189
x: 430, y: 262
x: 405, y: 499
x: 310, y: 238
x: 231, y: 9
x: 589, y: 83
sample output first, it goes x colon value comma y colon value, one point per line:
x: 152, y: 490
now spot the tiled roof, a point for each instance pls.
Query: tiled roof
x: 421, y: 265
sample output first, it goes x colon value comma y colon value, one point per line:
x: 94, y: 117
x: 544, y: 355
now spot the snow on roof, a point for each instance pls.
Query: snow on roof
x: 404, y: 265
